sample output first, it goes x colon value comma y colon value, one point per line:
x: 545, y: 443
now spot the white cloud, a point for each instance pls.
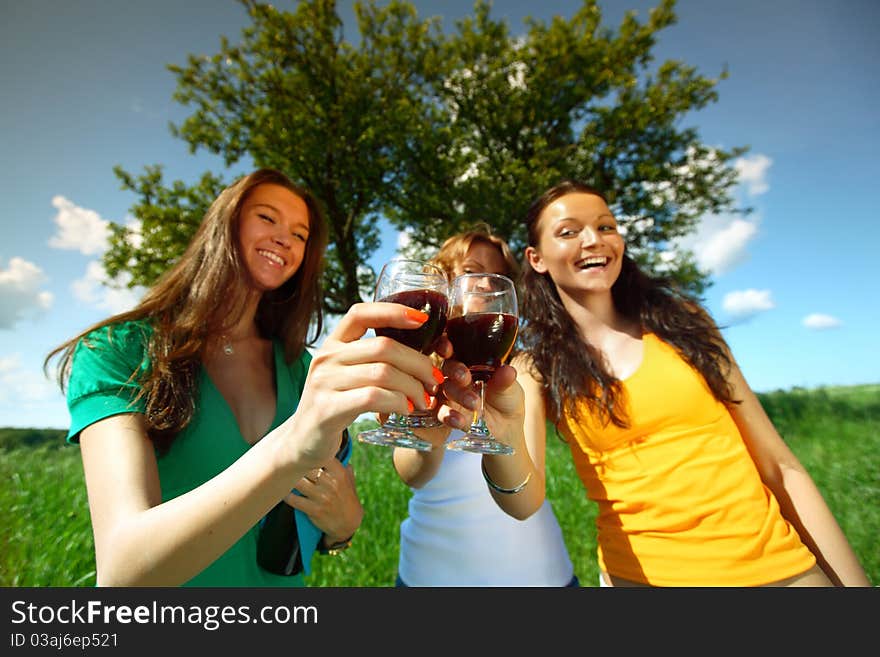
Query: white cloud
x: 819, y: 322
x: 752, y: 172
x: 93, y: 289
x: 83, y: 230
x: 726, y: 248
x: 23, y: 385
x: 720, y: 242
x: 747, y: 303
x: 20, y: 295
x: 79, y: 229
x: 28, y: 398
x: 9, y: 364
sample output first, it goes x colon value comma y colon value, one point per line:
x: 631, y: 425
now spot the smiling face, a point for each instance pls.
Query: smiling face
x: 273, y: 232
x: 579, y: 245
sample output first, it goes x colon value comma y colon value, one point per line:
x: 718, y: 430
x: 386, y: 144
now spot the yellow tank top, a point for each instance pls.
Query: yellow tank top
x: 680, y: 500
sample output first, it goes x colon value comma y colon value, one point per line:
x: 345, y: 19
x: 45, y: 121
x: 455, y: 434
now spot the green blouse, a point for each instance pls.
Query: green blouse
x: 101, y: 385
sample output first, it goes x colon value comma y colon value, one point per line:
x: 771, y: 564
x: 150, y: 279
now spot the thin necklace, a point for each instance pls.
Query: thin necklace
x: 226, y: 343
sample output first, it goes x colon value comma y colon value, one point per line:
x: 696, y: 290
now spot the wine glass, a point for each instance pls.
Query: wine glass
x: 424, y: 287
x: 482, y: 326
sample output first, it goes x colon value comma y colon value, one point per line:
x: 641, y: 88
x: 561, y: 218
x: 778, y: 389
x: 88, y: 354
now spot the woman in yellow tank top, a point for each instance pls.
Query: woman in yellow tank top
x: 694, y: 485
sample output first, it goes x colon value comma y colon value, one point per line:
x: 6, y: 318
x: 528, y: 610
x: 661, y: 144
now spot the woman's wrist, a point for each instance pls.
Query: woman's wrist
x: 286, y: 460
x: 513, y: 475
x: 502, y: 489
x: 333, y: 546
x: 288, y: 446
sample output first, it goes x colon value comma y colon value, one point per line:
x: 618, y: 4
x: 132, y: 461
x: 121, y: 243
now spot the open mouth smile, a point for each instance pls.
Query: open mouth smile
x: 592, y: 262
x: 272, y: 257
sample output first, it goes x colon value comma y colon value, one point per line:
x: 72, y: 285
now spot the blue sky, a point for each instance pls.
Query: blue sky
x: 85, y: 88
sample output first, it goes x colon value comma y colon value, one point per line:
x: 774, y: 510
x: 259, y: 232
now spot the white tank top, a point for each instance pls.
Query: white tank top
x: 456, y: 535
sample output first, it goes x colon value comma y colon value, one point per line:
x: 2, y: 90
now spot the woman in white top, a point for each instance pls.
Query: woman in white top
x: 455, y: 534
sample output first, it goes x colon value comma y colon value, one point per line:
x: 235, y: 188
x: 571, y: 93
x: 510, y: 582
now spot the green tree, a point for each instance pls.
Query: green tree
x: 572, y: 99
x: 295, y: 95
x: 166, y: 218
x: 437, y: 130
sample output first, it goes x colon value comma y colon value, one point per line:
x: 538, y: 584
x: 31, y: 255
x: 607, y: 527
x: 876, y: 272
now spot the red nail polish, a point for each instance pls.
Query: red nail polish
x: 416, y: 315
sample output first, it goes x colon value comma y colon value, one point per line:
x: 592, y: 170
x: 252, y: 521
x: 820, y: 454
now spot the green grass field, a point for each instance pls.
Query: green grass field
x: 45, y: 531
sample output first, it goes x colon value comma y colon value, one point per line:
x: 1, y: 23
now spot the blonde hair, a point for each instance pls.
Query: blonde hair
x: 454, y: 250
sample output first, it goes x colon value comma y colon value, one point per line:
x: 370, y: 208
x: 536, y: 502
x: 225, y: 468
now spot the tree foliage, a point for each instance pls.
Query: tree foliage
x: 166, y: 218
x: 571, y: 99
x: 438, y: 130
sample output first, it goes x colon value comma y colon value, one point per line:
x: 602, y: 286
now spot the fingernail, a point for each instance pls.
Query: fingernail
x: 410, y: 406
x: 438, y: 375
x: 461, y: 375
x: 471, y: 401
x: 428, y: 401
x: 416, y: 315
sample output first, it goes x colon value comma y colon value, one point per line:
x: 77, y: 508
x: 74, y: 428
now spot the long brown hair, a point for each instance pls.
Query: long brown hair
x: 571, y: 368
x: 203, y: 295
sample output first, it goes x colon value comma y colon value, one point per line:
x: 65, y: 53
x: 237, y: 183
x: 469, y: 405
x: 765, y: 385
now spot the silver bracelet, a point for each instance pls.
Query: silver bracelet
x: 499, y: 489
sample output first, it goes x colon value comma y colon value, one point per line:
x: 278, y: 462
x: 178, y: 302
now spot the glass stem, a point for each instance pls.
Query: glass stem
x: 394, y: 421
x: 478, y: 424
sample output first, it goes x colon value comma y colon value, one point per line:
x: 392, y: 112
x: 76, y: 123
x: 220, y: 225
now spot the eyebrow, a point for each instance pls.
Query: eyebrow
x: 607, y: 215
x: 482, y: 270
x: 304, y: 224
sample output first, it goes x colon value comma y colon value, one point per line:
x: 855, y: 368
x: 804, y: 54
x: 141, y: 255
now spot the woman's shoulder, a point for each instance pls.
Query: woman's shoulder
x: 123, y: 335
x: 122, y: 345
x: 105, y: 373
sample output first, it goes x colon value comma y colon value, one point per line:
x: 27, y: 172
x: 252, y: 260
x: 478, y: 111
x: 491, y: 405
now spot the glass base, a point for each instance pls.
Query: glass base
x: 479, y: 445
x: 394, y: 438
x: 417, y: 420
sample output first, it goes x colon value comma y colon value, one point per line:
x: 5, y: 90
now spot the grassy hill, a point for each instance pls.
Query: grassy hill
x: 45, y: 530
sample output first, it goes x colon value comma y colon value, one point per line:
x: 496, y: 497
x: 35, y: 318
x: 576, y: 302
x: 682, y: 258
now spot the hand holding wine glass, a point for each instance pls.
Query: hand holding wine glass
x: 424, y: 287
x: 482, y: 327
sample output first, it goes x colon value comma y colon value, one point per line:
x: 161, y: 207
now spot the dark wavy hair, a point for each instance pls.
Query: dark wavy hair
x: 203, y: 295
x: 571, y: 368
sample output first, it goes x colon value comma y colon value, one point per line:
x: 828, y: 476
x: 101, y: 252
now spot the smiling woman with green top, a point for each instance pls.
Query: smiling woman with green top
x: 200, y: 409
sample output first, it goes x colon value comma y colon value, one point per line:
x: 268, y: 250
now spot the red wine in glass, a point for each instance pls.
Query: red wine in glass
x: 433, y: 304
x: 482, y: 326
x: 482, y: 341
x: 424, y: 287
